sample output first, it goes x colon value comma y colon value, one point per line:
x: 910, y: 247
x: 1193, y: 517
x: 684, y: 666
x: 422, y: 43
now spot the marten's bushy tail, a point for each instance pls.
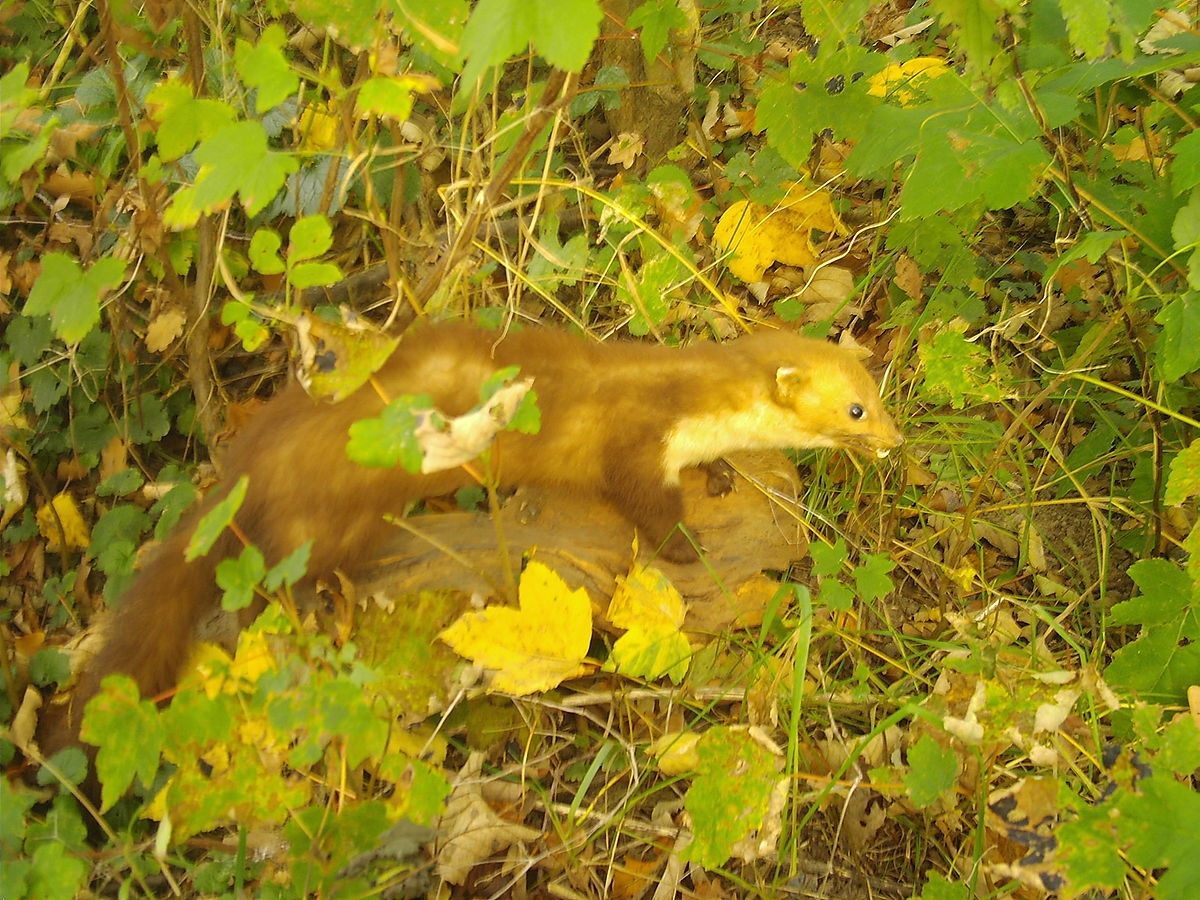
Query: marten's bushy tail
x: 147, y: 637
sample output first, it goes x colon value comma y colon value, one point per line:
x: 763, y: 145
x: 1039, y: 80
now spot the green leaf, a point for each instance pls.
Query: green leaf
x: 958, y: 369
x: 234, y: 160
x: 305, y: 275
x: 239, y: 577
x: 123, y: 523
x: 71, y: 296
x: 1160, y: 822
x: 835, y: 595
x: 388, y: 440
x: 828, y: 560
x: 15, y: 803
x: 1184, y: 480
x: 290, y: 569
x: 1177, y: 349
x: 562, y: 31
x: 147, y: 420
x: 1165, y: 593
x: 840, y: 21
x: 656, y: 18
x: 818, y: 94
x: 1185, y: 168
x: 264, y: 256
x: 938, y: 888
x: 871, y: 577
x: 956, y: 167
x: 215, y: 521
x: 1179, y: 749
x: 111, y: 717
x: 309, y: 238
x: 1088, y: 24
x: 120, y: 483
x: 978, y: 29
x: 932, y: 771
x: 387, y: 96
x: 355, y: 22
x: 56, y: 874
x: 265, y: 68
x: 730, y: 794
x: 183, y: 119
x: 17, y: 97
x: 49, y: 666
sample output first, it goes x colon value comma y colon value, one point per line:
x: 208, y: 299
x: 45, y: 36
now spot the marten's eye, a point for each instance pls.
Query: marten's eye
x: 857, y: 412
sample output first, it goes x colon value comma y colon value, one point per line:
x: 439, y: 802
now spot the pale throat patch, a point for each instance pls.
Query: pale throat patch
x: 763, y: 426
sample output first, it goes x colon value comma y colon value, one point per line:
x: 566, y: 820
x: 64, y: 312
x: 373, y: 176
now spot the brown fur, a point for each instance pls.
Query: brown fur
x: 618, y: 419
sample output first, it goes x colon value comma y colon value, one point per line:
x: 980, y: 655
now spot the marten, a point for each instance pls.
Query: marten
x: 619, y: 419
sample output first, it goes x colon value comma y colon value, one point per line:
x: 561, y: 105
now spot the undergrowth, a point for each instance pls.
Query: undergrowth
x: 979, y: 675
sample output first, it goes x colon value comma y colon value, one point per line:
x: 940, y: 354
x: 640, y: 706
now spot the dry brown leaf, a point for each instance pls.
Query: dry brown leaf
x: 114, y: 458
x: 470, y: 830
x: 908, y: 277
x: 164, y: 329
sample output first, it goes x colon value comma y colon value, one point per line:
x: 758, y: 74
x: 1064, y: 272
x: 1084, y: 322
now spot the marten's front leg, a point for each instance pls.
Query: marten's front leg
x: 654, y: 507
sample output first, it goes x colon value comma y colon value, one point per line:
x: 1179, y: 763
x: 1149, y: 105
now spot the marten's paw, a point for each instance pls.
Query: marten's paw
x: 678, y: 549
x: 719, y: 476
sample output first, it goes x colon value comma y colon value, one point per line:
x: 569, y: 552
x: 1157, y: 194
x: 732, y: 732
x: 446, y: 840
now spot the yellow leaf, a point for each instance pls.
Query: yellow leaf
x: 901, y: 81
x: 676, y: 752
x: 216, y: 673
x: 533, y: 648
x: 651, y: 653
x: 318, y: 127
x: 646, y: 597
x: 755, y: 237
x: 62, y: 509
x: 652, y: 610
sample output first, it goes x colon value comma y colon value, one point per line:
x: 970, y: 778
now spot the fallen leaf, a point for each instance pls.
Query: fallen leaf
x: 902, y: 80
x: 652, y: 611
x: 62, y: 510
x: 114, y: 458
x: 164, y: 329
x: 533, y: 648
x: 472, y: 831
x: 755, y: 236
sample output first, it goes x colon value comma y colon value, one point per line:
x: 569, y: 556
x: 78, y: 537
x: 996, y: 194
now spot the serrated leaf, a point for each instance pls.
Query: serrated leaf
x: 390, y: 438
x: 70, y: 296
x: 216, y: 520
x: 656, y: 19
x: 265, y: 68
x: 290, y: 569
x: 1165, y: 591
x: 234, y: 160
x: 730, y: 795
x: 391, y: 97
x: 1177, y: 349
x: 535, y: 647
x: 651, y: 611
x: 239, y: 577
x: 1088, y: 24
x: 1184, y: 479
x: 183, y: 119
x: 871, y: 577
x: 932, y: 770
x: 111, y: 717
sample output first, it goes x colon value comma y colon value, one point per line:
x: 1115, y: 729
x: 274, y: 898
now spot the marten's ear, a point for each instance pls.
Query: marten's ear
x: 790, y: 383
